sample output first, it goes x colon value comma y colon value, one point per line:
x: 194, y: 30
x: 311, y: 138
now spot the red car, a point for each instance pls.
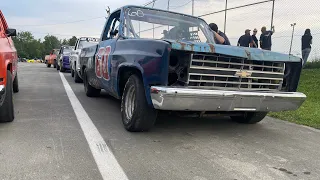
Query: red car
x: 8, y: 71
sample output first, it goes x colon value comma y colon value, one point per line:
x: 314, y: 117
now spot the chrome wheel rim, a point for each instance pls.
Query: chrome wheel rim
x: 129, y: 104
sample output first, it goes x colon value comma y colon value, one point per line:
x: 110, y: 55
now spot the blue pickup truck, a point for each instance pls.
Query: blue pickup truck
x: 155, y: 60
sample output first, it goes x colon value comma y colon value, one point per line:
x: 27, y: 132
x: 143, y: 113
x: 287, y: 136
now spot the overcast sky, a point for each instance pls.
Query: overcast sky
x: 88, y: 17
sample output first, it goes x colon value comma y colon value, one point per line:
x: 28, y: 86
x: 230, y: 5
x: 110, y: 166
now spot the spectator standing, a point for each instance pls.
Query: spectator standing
x: 219, y: 37
x: 265, y: 38
x: 306, y: 42
x: 254, y: 37
x: 246, y: 40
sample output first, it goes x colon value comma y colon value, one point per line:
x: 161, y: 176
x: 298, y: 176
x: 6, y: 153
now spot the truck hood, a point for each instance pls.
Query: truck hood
x: 245, y: 52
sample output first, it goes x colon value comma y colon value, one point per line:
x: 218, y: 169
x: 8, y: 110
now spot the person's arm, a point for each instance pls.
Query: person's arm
x: 238, y: 44
x: 311, y: 40
x: 260, y: 40
x: 218, y: 37
x: 273, y: 30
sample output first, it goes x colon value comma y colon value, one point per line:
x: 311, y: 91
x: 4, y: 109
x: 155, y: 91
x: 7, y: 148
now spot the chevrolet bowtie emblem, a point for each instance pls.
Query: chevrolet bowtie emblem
x: 243, y: 74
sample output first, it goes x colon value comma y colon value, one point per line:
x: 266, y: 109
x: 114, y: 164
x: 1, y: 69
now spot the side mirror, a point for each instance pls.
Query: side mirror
x: 11, y: 32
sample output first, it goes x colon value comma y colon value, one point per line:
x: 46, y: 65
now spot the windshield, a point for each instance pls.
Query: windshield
x: 85, y: 43
x: 67, y: 50
x: 155, y: 24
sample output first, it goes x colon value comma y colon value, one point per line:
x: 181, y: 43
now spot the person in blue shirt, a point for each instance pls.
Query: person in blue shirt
x: 265, y: 38
x: 220, y: 37
x: 254, y: 37
x: 246, y: 40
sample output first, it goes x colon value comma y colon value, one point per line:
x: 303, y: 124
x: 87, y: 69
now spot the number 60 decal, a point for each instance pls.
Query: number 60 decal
x: 102, y: 62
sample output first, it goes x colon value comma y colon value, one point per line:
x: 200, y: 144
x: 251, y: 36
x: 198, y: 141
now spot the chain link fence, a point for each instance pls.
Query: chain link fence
x: 286, y: 12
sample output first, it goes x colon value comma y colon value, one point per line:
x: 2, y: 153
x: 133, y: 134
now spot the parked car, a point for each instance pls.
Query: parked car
x: 63, y: 63
x: 30, y: 61
x: 184, y: 71
x: 74, y: 56
x: 8, y: 71
x: 53, y: 58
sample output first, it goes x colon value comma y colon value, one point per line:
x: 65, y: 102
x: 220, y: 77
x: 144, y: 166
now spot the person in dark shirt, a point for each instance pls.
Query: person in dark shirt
x: 246, y: 40
x: 255, y: 39
x: 306, y: 42
x: 265, y: 38
x: 219, y: 37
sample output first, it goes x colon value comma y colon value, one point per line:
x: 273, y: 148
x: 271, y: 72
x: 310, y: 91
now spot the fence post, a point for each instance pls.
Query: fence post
x: 272, y: 14
x: 225, y: 17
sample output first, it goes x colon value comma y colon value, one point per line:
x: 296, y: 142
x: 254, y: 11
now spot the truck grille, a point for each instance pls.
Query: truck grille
x: 235, y: 73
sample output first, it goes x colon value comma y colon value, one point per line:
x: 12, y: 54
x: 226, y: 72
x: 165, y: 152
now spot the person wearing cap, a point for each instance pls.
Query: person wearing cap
x: 265, y: 38
x: 246, y: 40
x: 219, y: 37
x: 254, y: 37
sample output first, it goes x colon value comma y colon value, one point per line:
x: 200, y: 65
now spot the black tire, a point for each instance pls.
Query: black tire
x: 77, y: 78
x: 7, y: 108
x: 250, y: 117
x: 54, y: 66
x: 62, y: 69
x: 89, y: 90
x: 48, y: 65
x: 57, y: 65
x: 16, y: 84
x: 72, y: 73
x: 143, y: 116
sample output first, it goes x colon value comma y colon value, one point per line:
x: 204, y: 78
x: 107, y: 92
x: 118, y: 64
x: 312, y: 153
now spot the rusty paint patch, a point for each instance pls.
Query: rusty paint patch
x: 212, y: 49
x: 192, y: 47
x: 248, y: 54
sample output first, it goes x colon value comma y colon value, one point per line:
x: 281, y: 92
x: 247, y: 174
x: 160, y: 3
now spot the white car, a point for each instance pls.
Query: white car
x: 75, y: 53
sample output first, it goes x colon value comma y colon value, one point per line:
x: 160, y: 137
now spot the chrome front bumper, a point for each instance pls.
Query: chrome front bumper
x: 186, y: 99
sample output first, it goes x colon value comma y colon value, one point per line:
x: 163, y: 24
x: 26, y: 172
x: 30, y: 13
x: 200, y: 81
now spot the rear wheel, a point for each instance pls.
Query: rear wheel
x: 48, y: 65
x: 16, y: 84
x: 62, y: 69
x: 137, y: 115
x: 250, y: 117
x: 7, y: 109
x: 89, y: 90
x: 77, y: 78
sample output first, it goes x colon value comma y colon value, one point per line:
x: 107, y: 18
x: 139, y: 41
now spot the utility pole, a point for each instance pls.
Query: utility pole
x: 192, y: 7
x: 225, y: 17
x: 292, y: 25
x: 272, y: 14
x: 168, y: 9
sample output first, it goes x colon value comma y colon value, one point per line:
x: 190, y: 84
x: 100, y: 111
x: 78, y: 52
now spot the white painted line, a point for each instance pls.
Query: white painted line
x: 106, y: 161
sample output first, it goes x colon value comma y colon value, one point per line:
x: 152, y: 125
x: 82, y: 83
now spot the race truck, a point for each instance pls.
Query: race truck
x: 8, y: 71
x: 63, y: 63
x: 46, y: 59
x: 74, y: 56
x: 155, y: 60
x: 53, y: 58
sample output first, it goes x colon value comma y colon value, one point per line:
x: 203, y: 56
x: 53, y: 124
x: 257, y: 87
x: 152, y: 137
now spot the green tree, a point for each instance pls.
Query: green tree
x: 64, y: 42
x: 22, y: 42
x: 50, y: 42
x: 72, y: 41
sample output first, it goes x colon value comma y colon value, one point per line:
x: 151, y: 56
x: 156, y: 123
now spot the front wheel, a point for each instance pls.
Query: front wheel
x: 137, y: 115
x: 250, y: 117
x: 16, y: 84
x: 7, y: 108
x: 48, y: 65
x: 72, y: 73
x: 89, y: 90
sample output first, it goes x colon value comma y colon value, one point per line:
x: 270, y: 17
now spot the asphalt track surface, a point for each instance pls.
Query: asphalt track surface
x: 57, y: 128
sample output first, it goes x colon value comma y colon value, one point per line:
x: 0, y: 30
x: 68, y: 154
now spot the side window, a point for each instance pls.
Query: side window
x: 112, y: 28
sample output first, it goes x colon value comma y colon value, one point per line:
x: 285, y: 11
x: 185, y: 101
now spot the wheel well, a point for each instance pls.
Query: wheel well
x: 9, y: 67
x: 124, y: 74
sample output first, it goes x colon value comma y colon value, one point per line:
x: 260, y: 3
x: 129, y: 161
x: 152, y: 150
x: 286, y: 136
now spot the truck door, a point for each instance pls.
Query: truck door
x: 105, y: 50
